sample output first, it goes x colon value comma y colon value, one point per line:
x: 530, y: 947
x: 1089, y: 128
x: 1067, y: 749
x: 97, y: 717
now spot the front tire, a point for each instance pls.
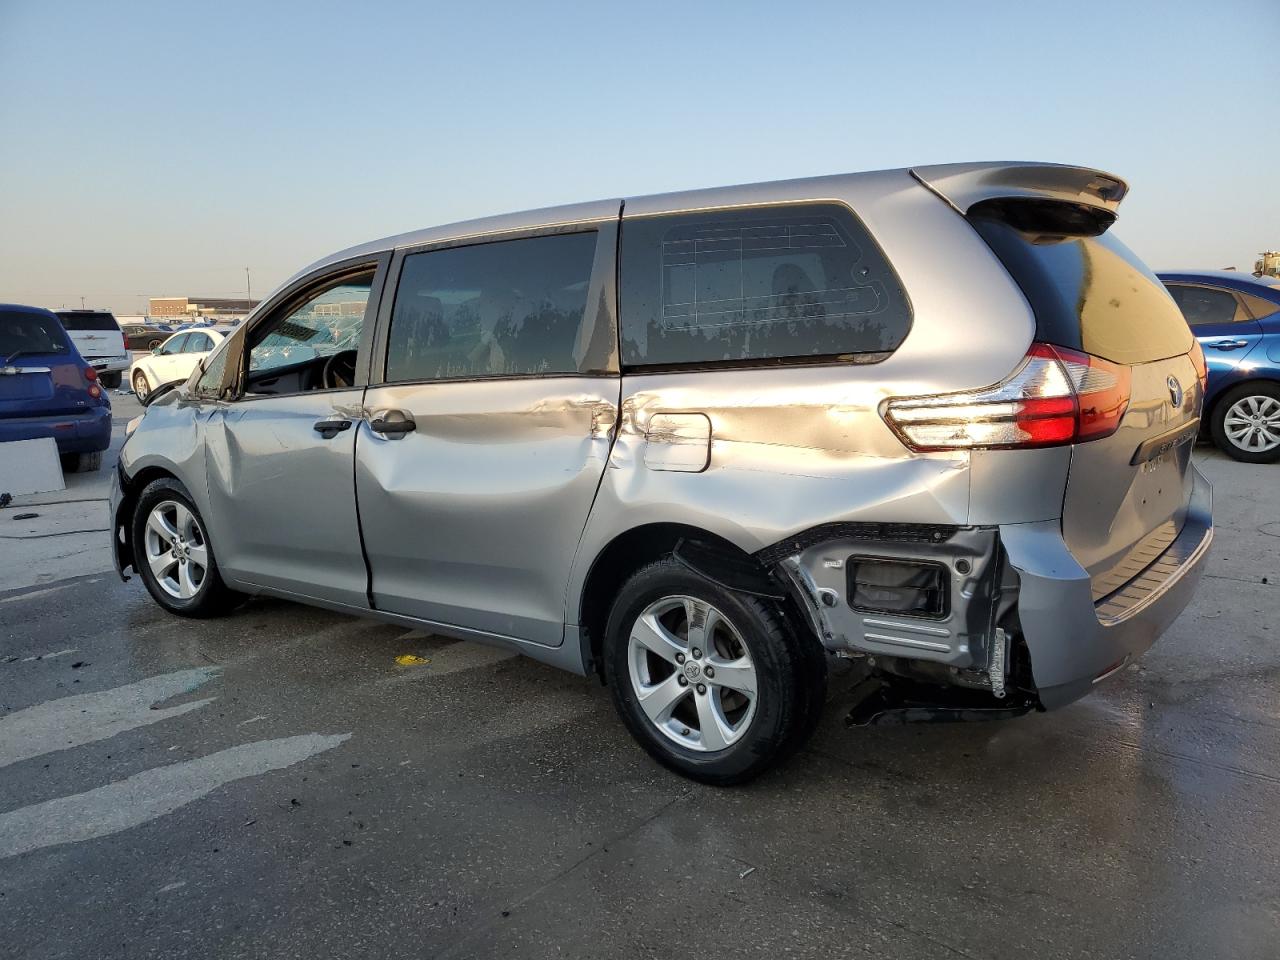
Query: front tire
x: 110, y: 381
x: 717, y: 685
x: 1246, y: 423
x: 140, y: 386
x: 174, y: 556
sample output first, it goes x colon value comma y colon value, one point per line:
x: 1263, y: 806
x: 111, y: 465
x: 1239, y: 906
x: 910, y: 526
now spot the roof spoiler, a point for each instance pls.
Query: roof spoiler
x: 964, y: 185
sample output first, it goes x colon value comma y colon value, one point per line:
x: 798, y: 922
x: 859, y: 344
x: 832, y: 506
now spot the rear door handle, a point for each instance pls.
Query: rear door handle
x: 331, y: 428
x: 1229, y: 344
x: 393, y: 424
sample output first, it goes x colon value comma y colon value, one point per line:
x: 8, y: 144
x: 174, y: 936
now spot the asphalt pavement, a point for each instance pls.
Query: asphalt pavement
x: 289, y: 782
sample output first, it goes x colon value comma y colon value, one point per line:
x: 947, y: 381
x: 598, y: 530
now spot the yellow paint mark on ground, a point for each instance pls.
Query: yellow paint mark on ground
x: 410, y: 660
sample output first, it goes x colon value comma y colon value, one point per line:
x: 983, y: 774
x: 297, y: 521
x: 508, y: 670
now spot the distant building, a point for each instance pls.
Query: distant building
x: 220, y: 307
x: 1268, y: 265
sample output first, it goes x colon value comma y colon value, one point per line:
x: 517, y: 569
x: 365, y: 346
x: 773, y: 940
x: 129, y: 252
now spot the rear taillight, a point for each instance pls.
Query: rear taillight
x: 1056, y: 396
x: 91, y: 375
x: 1202, y: 368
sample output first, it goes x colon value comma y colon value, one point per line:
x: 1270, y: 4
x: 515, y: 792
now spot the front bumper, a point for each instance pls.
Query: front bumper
x: 84, y: 432
x: 120, y: 511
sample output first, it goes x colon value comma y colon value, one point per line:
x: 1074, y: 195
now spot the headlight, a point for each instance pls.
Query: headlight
x: 131, y: 426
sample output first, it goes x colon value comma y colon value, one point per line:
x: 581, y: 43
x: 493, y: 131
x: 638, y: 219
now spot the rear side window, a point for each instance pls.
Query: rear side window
x: 1259, y: 307
x: 88, y: 320
x: 1204, y: 305
x: 508, y: 308
x: 766, y: 284
x: 1090, y: 293
x: 30, y: 333
x: 197, y: 343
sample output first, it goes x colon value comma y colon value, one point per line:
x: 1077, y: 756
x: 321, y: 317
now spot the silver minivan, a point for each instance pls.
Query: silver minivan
x: 938, y: 420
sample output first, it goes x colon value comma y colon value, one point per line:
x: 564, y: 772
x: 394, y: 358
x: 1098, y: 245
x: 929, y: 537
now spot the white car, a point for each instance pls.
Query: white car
x: 174, y: 360
x: 100, y: 341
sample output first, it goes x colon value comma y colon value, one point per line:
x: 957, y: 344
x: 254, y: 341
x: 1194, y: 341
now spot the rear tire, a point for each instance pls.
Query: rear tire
x: 1246, y: 422
x: 718, y: 706
x: 81, y: 462
x: 110, y: 380
x: 140, y: 386
x: 174, y: 556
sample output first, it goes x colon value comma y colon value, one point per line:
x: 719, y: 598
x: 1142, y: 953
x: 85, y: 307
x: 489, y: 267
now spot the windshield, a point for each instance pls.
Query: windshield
x: 30, y: 333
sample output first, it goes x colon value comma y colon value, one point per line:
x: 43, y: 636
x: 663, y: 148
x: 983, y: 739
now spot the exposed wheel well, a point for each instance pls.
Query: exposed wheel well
x: 625, y: 554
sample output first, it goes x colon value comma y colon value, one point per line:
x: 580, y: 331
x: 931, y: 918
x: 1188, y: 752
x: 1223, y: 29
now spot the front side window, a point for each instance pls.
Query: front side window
x: 328, y: 322
x: 198, y: 343
x: 174, y: 344
x: 765, y: 284
x: 507, y: 308
x: 1204, y: 305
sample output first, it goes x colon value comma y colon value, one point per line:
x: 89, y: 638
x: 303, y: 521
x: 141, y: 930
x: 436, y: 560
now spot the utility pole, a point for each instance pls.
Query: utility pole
x: 82, y: 303
x: 248, y: 287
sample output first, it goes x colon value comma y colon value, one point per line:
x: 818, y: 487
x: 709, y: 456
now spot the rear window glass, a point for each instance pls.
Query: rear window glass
x: 509, y: 308
x: 758, y: 285
x: 30, y: 333
x: 72, y: 320
x: 1091, y: 294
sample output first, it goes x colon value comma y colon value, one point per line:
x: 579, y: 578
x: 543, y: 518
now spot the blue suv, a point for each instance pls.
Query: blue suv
x: 1236, y: 318
x: 48, y: 390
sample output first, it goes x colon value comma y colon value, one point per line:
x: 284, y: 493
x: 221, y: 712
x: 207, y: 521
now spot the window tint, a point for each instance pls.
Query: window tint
x: 30, y: 333
x: 327, y: 323
x: 1259, y: 307
x: 752, y: 285
x: 509, y: 308
x: 174, y: 344
x: 197, y: 343
x: 1089, y: 293
x: 1202, y: 305
x: 87, y: 320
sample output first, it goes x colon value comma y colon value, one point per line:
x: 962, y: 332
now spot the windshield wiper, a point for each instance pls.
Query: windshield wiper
x: 15, y: 355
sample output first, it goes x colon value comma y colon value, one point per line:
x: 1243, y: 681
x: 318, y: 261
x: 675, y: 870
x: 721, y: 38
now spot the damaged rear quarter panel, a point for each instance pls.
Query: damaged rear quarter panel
x: 794, y: 447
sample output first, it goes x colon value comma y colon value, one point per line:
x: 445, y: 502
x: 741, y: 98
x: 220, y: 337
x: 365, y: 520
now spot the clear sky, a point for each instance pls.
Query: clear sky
x: 159, y: 148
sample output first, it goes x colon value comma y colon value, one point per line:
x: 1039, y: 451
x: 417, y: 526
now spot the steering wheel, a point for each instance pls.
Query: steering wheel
x: 339, y: 370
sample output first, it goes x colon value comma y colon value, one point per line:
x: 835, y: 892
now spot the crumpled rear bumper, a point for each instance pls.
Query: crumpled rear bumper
x: 1073, y: 641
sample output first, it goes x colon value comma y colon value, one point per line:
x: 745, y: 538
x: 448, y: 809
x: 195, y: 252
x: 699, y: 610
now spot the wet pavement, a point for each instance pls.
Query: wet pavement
x: 275, y: 785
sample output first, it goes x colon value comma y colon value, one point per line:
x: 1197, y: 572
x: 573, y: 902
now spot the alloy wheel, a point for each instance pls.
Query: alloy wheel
x: 1253, y: 424
x: 140, y: 388
x: 176, y: 549
x: 692, y: 673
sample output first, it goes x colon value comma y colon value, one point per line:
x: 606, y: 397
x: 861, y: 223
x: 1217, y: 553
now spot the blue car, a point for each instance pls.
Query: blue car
x: 48, y: 390
x: 1236, y: 318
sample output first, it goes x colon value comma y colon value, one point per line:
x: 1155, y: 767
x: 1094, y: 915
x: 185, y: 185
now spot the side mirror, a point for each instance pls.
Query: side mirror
x: 155, y: 351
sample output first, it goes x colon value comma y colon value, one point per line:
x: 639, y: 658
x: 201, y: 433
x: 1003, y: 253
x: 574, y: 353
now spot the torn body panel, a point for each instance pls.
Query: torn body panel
x: 957, y: 571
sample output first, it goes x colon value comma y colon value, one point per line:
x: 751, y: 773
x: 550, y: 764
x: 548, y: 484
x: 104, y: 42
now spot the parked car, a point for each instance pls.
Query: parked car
x: 1236, y: 318
x: 47, y: 390
x: 99, y: 340
x: 145, y: 336
x: 939, y: 420
x: 173, y: 360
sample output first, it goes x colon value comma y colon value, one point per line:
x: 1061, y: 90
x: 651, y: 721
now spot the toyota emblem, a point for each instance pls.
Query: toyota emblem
x: 1175, y: 390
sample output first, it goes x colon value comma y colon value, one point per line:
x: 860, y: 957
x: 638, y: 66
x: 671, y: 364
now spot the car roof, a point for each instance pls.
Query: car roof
x: 967, y: 180
x: 1245, y: 282
x: 24, y: 308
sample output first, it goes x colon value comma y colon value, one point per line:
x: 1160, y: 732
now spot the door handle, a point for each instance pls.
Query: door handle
x: 393, y: 424
x: 1229, y: 344
x: 331, y: 428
